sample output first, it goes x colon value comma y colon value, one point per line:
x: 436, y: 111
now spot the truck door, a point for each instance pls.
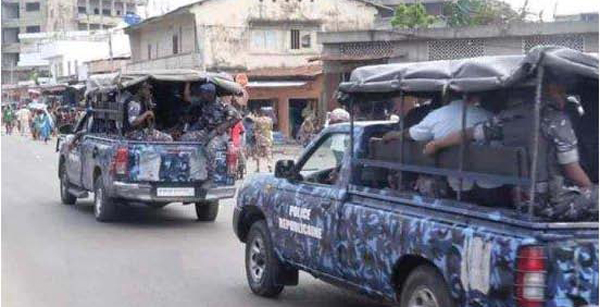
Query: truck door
x: 74, y: 156
x: 307, y: 208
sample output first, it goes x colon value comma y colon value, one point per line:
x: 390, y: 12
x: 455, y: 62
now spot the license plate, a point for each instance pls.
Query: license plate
x: 175, y: 192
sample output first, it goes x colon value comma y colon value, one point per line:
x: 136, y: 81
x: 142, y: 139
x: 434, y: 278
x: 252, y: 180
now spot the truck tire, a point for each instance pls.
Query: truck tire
x: 262, y: 266
x: 105, y: 208
x: 207, y: 211
x: 65, y: 197
x: 425, y: 287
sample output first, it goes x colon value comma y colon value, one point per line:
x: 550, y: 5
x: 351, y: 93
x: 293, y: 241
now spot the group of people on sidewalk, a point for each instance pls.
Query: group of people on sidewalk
x: 37, y: 121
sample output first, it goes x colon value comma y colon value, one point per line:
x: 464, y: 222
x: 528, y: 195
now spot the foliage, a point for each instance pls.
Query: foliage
x: 412, y: 16
x: 465, y: 13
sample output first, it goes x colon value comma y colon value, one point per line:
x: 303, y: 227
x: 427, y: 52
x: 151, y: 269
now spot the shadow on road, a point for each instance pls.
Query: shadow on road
x: 147, y: 217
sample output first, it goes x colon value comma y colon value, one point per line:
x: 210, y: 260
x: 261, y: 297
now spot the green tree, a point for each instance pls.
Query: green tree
x: 412, y: 16
x: 465, y: 13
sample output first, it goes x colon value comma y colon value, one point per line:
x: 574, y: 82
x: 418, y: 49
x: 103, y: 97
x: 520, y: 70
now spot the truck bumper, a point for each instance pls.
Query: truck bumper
x: 147, y: 193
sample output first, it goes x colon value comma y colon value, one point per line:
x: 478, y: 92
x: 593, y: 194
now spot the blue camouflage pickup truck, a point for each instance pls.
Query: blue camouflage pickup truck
x: 95, y: 155
x: 338, y: 212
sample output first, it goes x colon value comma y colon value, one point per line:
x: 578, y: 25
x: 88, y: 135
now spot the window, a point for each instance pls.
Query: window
x: 306, y: 41
x: 10, y: 10
x: 106, y: 12
x: 32, y: 6
x: 97, y: 11
x: 325, y: 162
x: 295, y: 42
x: 81, y: 10
x: 10, y: 35
x: 175, y: 44
x: 32, y: 29
x: 118, y: 12
x: 264, y: 40
x: 149, y: 52
x: 68, y: 68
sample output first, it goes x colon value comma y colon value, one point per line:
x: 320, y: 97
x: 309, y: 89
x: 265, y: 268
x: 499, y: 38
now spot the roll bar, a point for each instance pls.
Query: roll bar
x: 460, y: 174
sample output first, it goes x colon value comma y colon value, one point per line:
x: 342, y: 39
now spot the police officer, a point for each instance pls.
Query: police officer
x: 569, y: 194
x: 141, y: 119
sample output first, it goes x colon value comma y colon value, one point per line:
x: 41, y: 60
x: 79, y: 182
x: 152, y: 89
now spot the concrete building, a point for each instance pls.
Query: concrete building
x: 106, y: 65
x: 64, y: 54
x: 247, y: 36
x: 346, y: 50
x: 38, y: 16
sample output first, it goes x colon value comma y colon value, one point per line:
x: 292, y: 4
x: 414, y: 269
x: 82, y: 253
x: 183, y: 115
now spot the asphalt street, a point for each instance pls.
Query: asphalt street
x: 57, y: 255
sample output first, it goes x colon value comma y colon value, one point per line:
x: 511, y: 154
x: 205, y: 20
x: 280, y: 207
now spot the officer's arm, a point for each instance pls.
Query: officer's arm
x: 455, y: 138
x: 395, y: 135
x: 575, y: 173
x: 563, y: 137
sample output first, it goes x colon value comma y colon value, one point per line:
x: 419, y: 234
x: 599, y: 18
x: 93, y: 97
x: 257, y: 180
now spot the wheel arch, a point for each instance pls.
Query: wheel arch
x: 405, y: 265
x: 248, y: 216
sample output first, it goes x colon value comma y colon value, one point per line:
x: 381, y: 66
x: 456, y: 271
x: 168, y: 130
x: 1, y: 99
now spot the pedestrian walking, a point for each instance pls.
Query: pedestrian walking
x: 8, y: 117
x: 23, y: 116
x: 263, y: 133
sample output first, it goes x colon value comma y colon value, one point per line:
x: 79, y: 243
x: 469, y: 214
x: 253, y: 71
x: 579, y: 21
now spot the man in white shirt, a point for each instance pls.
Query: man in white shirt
x: 442, y: 122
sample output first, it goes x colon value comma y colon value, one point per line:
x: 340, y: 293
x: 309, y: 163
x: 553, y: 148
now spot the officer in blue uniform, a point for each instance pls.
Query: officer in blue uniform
x: 569, y: 194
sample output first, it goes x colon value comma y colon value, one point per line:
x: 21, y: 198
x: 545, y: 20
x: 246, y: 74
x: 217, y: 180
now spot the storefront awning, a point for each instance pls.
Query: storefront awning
x: 275, y: 84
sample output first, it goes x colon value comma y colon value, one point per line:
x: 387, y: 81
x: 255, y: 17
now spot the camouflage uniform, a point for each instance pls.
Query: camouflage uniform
x: 557, y: 201
x: 204, y: 130
x: 143, y: 134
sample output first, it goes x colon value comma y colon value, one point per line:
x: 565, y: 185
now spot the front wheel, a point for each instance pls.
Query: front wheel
x: 262, y: 266
x: 207, y: 211
x: 105, y: 208
x: 425, y: 287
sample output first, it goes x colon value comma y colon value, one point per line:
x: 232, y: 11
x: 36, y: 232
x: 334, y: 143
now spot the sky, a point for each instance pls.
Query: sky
x: 563, y: 7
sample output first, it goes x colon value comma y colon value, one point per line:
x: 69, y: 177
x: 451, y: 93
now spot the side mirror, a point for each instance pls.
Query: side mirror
x: 284, y: 168
x: 66, y: 129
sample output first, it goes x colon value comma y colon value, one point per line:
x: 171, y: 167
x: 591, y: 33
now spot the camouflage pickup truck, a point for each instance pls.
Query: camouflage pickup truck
x: 338, y: 213
x: 95, y: 155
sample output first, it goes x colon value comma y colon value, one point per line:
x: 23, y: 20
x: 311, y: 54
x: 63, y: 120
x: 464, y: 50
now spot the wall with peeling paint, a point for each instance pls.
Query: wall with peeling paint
x: 224, y: 31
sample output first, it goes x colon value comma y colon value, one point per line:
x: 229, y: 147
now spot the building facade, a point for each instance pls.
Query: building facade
x: 345, y: 51
x: 64, y: 54
x: 39, y: 16
x: 243, y: 34
x: 270, y: 40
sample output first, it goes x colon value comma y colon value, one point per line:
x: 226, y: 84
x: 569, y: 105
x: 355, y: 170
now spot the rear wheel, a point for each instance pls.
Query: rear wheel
x: 105, y: 208
x: 262, y: 266
x: 425, y: 287
x: 66, y: 197
x: 207, y: 211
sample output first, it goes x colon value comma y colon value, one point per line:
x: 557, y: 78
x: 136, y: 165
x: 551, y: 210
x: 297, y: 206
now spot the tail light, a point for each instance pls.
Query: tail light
x: 121, y: 161
x: 531, y: 277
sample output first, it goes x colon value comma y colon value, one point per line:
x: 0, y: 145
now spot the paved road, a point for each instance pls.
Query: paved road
x: 56, y: 255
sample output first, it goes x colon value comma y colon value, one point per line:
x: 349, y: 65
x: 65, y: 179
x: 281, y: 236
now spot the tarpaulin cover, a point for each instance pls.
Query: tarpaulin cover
x: 109, y: 81
x: 470, y: 75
